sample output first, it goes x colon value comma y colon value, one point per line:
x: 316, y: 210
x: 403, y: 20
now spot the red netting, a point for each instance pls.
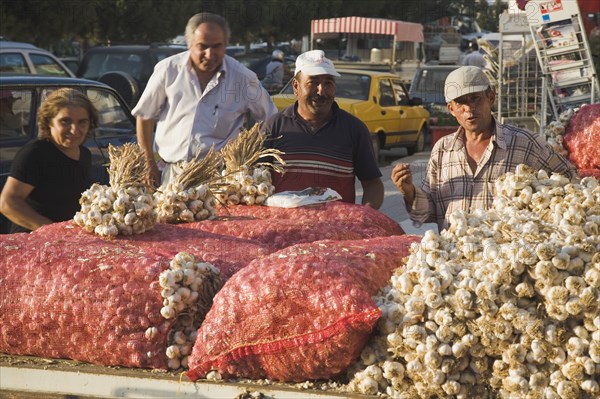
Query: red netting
x: 65, y: 293
x: 69, y: 294
x: 286, y: 232
x: 582, y: 138
x: 227, y: 253
x: 90, y: 301
x: 334, y: 213
x: 304, y: 312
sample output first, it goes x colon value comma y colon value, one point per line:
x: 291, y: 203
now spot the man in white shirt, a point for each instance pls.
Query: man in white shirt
x: 201, y: 97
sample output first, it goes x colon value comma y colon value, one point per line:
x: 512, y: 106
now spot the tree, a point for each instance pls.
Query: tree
x: 45, y: 22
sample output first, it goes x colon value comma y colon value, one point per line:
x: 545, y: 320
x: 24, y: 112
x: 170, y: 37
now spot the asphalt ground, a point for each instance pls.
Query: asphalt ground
x: 393, y: 202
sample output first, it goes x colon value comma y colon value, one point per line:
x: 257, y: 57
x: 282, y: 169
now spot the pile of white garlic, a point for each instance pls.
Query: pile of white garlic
x: 175, y: 204
x: 187, y: 288
x: 555, y: 131
x: 502, y: 304
x: 247, y: 186
x: 108, y: 213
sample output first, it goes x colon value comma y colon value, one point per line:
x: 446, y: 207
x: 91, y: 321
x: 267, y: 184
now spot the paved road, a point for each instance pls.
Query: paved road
x: 393, y: 203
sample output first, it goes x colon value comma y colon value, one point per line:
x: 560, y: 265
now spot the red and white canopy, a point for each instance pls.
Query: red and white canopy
x: 403, y: 31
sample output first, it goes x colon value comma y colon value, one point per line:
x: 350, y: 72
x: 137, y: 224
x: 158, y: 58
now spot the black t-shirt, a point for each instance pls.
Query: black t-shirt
x: 57, y: 179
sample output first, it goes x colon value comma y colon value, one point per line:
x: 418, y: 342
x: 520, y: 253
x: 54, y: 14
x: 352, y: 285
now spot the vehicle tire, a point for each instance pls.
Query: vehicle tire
x: 376, y: 146
x: 419, y: 146
x: 124, y: 84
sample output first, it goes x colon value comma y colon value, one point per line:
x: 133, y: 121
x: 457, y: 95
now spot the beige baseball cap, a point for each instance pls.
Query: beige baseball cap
x: 314, y: 63
x: 465, y: 80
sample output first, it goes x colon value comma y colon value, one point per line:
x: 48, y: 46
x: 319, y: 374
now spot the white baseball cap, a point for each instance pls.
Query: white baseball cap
x: 465, y: 80
x: 314, y: 63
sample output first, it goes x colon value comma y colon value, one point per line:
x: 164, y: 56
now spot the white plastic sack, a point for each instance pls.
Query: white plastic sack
x: 308, y: 196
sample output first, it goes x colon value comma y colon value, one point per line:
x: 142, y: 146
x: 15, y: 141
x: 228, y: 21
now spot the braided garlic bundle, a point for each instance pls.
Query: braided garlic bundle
x: 187, y: 288
x: 189, y: 197
x: 127, y: 205
x: 555, y: 131
x: 248, y: 186
x: 502, y: 304
x: 245, y: 180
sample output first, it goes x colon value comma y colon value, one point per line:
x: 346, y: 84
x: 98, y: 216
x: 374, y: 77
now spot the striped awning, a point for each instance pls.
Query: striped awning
x: 404, y: 31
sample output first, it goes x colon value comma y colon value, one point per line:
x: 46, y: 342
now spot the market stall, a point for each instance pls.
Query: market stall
x: 405, y: 36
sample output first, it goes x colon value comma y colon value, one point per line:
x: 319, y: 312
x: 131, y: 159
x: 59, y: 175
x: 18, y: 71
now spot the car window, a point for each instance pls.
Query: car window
x: 93, y: 66
x: 386, y: 94
x: 13, y: 63
x: 15, y: 113
x: 112, y: 119
x: 400, y: 91
x: 353, y: 86
x: 45, y: 65
x: 432, y: 81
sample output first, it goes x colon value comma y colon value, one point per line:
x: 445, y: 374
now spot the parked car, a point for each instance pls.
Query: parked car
x: 116, y: 124
x: 258, y: 61
x: 382, y: 102
x: 126, y: 68
x: 17, y: 58
x: 428, y: 84
x: 71, y: 62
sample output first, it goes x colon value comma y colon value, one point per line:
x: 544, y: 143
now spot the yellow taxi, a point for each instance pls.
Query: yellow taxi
x: 381, y: 101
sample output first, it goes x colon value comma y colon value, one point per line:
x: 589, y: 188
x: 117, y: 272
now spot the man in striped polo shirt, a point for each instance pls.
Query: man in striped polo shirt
x: 324, y: 145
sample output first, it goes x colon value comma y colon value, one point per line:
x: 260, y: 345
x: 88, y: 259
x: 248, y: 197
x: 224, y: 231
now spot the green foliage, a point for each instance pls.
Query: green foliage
x: 46, y: 22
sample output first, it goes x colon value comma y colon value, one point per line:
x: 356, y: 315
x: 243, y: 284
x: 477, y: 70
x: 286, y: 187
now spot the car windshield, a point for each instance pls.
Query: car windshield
x: 101, y: 63
x: 432, y: 81
x: 349, y: 85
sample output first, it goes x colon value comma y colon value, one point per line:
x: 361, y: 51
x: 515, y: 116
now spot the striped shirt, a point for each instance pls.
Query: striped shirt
x: 450, y: 184
x: 333, y: 156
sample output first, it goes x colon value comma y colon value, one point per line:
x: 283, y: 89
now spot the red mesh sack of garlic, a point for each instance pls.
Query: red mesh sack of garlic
x: 90, y: 301
x: 581, y: 138
x: 65, y: 293
x: 341, y: 214
x: 281, y: 233
x: 228, y: 253
x: 304, y: 312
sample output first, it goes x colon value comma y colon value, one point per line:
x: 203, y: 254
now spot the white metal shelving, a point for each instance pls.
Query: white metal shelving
x: 563, y: 53
x: 520, y: 82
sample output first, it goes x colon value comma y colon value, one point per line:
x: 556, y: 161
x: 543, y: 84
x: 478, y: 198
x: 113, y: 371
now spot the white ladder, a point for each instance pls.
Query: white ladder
x: 563, y: 53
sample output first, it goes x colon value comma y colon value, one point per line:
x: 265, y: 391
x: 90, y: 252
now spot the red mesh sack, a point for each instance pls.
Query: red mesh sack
x: 286, y: 232
x: 90, y: 301
x: 304, y: 312
x: 65, y: 293
x: 581, y: 138
x: 335, y: 213
x: 228, y: 253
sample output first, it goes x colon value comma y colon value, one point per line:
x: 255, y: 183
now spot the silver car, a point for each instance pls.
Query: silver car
x: 18, y: 58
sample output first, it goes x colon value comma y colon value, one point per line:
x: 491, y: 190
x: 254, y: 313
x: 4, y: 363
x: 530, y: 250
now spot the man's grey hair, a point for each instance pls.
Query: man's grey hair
x: 205, y: 17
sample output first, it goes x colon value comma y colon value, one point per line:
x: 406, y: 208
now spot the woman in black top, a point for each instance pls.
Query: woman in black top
x: 49, y: 174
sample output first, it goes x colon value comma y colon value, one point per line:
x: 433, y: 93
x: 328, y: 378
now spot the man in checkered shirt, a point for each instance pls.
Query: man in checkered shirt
x: 464, y: 165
